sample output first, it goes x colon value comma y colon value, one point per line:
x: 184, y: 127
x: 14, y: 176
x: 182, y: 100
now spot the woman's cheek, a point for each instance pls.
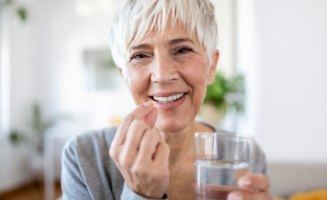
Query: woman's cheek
x: 195, y: 76
x: 197, y: 80
x: 136, y: 84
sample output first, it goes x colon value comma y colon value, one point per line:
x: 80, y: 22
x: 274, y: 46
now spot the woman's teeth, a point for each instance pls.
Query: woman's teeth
x: 168, y: 99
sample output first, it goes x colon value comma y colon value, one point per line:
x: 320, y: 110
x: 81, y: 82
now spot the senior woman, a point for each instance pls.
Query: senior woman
x: 166, y: 52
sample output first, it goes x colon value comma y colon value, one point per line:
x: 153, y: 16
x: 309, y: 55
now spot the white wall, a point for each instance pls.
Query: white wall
x: 225, y: 11
x: 292, y: 73
x: 46, y: 65
x: 13, y: 168
x: 19, y: 94
x: 4, y: 72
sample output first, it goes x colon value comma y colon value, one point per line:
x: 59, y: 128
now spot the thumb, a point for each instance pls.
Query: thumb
x: 151, y: 117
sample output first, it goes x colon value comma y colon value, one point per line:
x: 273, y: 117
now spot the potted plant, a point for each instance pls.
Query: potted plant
x: 223, y: 95
x: 20, y: 11
x: 33, y: 138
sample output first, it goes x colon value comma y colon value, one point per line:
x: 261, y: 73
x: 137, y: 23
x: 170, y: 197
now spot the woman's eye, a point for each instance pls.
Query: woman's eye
x: 138, y: 56
x: 183, y: 50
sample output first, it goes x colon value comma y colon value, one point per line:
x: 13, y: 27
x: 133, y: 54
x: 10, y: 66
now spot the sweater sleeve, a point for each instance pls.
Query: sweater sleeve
x: 129, y: 194
x: 73, y: 183
x: 73, y: 186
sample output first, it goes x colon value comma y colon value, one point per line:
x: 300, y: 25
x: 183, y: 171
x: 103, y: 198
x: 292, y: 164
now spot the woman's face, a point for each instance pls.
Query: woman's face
x: 172, y: 70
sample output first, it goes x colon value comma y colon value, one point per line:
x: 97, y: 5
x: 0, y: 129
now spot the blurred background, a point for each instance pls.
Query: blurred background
x: 57, y: 79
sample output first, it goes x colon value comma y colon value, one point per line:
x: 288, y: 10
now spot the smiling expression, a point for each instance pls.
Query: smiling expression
x: 171, y: 69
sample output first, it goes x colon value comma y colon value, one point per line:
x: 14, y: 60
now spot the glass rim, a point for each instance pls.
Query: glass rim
x: 225, y: 133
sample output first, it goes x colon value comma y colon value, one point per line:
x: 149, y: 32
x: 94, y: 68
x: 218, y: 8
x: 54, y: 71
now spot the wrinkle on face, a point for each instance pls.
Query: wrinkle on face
x: 188, y: 72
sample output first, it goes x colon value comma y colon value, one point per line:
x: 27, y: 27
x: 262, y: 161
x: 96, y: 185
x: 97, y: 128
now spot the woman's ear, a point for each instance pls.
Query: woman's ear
x: 120, y: 71
x: 123, y: 74
x: 214, y: 58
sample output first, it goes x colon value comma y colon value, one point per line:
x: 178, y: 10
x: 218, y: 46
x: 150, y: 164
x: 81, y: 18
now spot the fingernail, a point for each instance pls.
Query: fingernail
x: 234, y: 196
x: 245, y: 182
x: 151, y: 118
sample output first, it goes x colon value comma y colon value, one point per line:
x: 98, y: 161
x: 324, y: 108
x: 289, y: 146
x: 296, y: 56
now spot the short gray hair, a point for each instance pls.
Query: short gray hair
x: 137, y: 18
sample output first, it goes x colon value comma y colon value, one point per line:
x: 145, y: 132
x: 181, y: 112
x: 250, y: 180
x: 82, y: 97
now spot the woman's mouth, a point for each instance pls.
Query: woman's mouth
x: 168, y: 99
x: 169, y: 102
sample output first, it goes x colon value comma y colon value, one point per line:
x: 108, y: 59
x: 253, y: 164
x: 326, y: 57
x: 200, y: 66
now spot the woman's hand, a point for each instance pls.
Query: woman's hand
x: 254, y: 187
x: 139, y: 153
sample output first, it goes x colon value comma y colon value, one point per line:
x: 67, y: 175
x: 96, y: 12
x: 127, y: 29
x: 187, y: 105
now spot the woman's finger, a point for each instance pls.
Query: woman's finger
x: 139, y: 113
x: 254, y: 182
x: 148, y: 146
x: 249, y: 196
x: 161, y: 156
x: 121, y: 132
x: 133, y: 139
x: 151, y: 117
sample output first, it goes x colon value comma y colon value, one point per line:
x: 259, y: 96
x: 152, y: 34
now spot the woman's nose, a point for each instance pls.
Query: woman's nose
x: 163, y: 70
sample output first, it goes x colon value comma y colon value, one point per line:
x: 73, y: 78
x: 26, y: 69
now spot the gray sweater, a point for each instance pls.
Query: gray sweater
x: 89, y: 173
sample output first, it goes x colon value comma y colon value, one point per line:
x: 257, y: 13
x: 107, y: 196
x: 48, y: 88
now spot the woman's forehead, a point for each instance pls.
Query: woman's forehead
x: 169, y: 36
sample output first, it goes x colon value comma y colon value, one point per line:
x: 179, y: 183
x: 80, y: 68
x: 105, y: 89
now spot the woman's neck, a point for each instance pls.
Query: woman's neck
x: 182, y: 147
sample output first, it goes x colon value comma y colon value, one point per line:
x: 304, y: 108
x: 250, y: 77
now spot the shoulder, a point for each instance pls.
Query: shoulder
x: 92, y: 139
x: 89, y: 148
x: 87, y: 166
x: 97, y: 136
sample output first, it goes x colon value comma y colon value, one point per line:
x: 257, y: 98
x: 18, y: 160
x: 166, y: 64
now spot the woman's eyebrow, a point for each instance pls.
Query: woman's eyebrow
x: 171, y: 42
x: 140, y: 46
x: 179, y: 40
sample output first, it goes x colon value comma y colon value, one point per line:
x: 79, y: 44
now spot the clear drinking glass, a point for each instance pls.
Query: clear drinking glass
x: 222, y: 157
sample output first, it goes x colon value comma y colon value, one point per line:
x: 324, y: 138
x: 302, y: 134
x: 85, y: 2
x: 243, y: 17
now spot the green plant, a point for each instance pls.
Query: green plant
x: 226, y: 93
x: 38, y: 127
x: 21, y: 11
x: 15, y: 137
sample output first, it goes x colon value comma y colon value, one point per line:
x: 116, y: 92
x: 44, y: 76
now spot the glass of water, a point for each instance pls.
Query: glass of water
x: 222, y: 157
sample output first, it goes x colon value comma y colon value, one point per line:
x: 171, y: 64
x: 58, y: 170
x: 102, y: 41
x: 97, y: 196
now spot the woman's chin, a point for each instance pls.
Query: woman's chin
x: 170, y: 127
